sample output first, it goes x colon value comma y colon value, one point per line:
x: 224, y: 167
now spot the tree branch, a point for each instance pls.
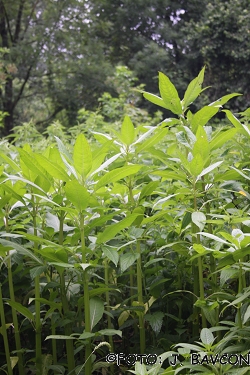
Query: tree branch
x: 59, y: 109
x: 18, y: 21
x: 18, y: 97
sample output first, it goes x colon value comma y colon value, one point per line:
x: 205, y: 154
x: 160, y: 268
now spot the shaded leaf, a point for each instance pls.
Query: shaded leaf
x: 96, y: 306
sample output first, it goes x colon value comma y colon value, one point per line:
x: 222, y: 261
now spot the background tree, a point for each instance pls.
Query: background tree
x: 56, y: 64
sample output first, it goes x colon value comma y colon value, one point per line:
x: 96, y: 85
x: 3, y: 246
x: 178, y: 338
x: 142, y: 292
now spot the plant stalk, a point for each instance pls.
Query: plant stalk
x: 140, y: 298
x: 4, y: 333
x: 88, y: 365
x: 14, y: 313
x: 68, y: 327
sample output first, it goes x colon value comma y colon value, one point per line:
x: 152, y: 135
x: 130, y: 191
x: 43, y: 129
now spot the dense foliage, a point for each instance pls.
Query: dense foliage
x: 134, y: 240
x: 56, y: 56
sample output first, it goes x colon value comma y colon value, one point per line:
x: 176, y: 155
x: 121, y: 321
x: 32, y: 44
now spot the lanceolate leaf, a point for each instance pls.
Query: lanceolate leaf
x: 169, y: 94
x: 117, y: 174
x: 155, y: 99
x: 223, y: 100
x: 52, y: 168
x: 105, y: 164
x: 221, y: 138
x: 241, y: 127
x: 96, y: 306
x: 63, y: 150
x: 127, y: 131
x: 148, y: 189
x: 30, y: 162
x: 210, y: 168
x: 82, y: 156
x: 111, y: 231
x: 159, y: 136
x: 77, y: 194
x: 194, y: 89
x: 202, y: 117
x: 20, y: 249
x: 21, y: 309
x: 196, y: 165
x: 110, y: 332
x: 11, y: 162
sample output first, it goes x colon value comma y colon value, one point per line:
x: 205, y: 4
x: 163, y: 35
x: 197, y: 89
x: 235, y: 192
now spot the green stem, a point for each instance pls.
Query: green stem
x: 88, y: 366
x: 15, y: 322
x: 68, y: 327
x: 4, y: 333
x: 140, y: 298
x: 240, y: 287
x: 54, y: 351
x: 106, y: 277
x: 200, y: 263
x: 14, y: 313
x: 38, y: 325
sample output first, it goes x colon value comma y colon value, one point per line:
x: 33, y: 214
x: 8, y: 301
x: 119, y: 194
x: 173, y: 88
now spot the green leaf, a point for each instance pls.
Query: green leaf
x: 13, y: 361
x: 246, y: 315
x: 127, y: 131
x: 221, y: 138
x: 215, y: 238
x: 111, y: 253
x: 157, y: 137
x: 44, y: 301
x: 110, y: 332
x: 199, y: 248
x: 201, y: 146
x: 206, y: 336
x: 223, y: 100
x: 169, y: 94
x: 60, y: 337
x: 196, y: 165
x: 21, y: 309
x: 86, y: 335
x: 186, y: 220
x: 241, y: 127
x: 127, y: 259
x: 194, y: 89
x: 30, y: 162
x: 96, y: 306
x: 17, y: 178
x: 105, y: 164
x: 111, y: 231
x: 155, y: 99
x: 202, y: 117
x: 210, y: 168
x: 199, y: 219
x: 63, y: 150
x: 77, y: 194
x: 82, y: 156
x: 117, y: 174
x: 11, y: 162
x: 170, y: 175
x: 20, y: 249
x: 37, y: 271
x: 227, y: 274
x: 148, y: 189
x: 155, y: 320
x: 52, y: 168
